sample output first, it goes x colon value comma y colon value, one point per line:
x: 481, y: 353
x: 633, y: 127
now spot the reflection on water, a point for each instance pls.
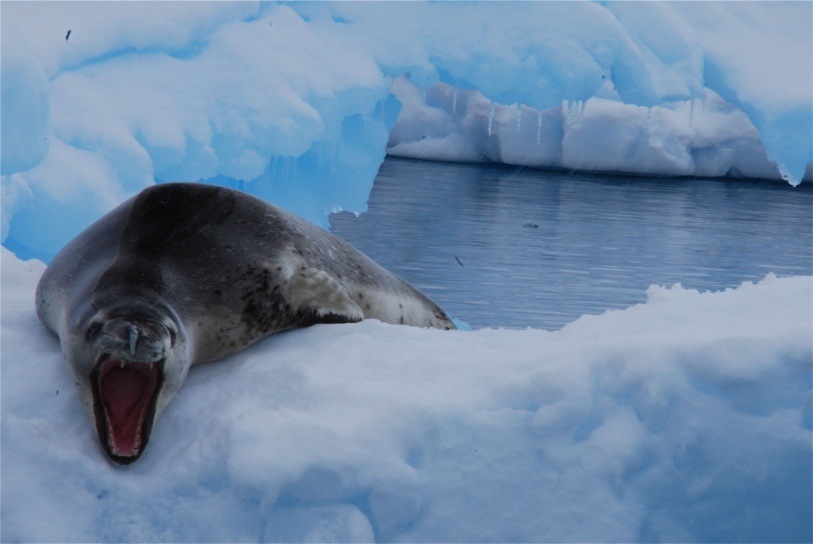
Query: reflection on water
x: 498, y: 247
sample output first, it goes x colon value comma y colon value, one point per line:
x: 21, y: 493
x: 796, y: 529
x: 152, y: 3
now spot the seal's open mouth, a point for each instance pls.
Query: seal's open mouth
x: 125, y: 394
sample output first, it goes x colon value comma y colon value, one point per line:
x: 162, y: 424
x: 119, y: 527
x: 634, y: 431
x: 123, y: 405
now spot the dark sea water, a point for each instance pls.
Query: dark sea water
x: 503, y: 247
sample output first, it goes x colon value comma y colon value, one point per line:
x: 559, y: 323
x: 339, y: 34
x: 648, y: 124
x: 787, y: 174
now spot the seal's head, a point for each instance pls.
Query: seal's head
x: 127, y: 366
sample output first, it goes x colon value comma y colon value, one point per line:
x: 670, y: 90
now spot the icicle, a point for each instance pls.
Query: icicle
x: 572, y: 111
x: 454, y: 101
x: 582, y: 106
x: 519, y: 116
x: 538, y: 128
x: 490, y: 118
x: 691, y: 113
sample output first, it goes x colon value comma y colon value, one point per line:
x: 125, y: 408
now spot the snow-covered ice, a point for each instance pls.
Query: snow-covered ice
x: 295, y: 103
x: 687, y: 418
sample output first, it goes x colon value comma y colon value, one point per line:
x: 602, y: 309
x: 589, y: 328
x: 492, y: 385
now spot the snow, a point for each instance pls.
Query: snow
x: 297, y: 102
x: 687, y: 418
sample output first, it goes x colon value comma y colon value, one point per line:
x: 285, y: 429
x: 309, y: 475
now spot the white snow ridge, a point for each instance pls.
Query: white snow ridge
x: 687, y: 418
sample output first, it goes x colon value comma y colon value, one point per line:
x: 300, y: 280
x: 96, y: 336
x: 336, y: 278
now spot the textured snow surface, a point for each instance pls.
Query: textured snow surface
x: 687, y: 418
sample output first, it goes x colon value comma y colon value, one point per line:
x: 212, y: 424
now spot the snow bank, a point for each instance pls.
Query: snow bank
x: 686, y: 418
x: 293, y: 102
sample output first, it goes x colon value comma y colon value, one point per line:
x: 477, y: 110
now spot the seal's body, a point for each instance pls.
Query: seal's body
x: 186, y: 273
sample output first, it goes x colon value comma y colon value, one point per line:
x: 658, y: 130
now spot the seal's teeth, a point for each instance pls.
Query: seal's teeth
x: 133, y: 339
x: 151, y: 365
x: 122, y: 364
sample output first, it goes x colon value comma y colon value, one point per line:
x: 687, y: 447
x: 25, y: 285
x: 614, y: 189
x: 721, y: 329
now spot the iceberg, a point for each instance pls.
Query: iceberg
x: 299, y: 103
x: 685, y: 418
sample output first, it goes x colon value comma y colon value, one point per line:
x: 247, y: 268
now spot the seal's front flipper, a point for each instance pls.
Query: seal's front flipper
x: 321, y: 298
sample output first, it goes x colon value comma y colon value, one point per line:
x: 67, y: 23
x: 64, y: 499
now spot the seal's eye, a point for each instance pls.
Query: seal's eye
x: 93, y: 330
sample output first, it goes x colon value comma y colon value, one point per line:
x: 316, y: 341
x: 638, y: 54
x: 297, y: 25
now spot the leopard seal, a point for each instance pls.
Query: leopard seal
x: 185, y: 273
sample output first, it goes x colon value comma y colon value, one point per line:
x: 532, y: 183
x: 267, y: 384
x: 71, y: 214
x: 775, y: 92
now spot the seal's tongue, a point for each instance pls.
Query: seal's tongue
x: 126, y: 389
